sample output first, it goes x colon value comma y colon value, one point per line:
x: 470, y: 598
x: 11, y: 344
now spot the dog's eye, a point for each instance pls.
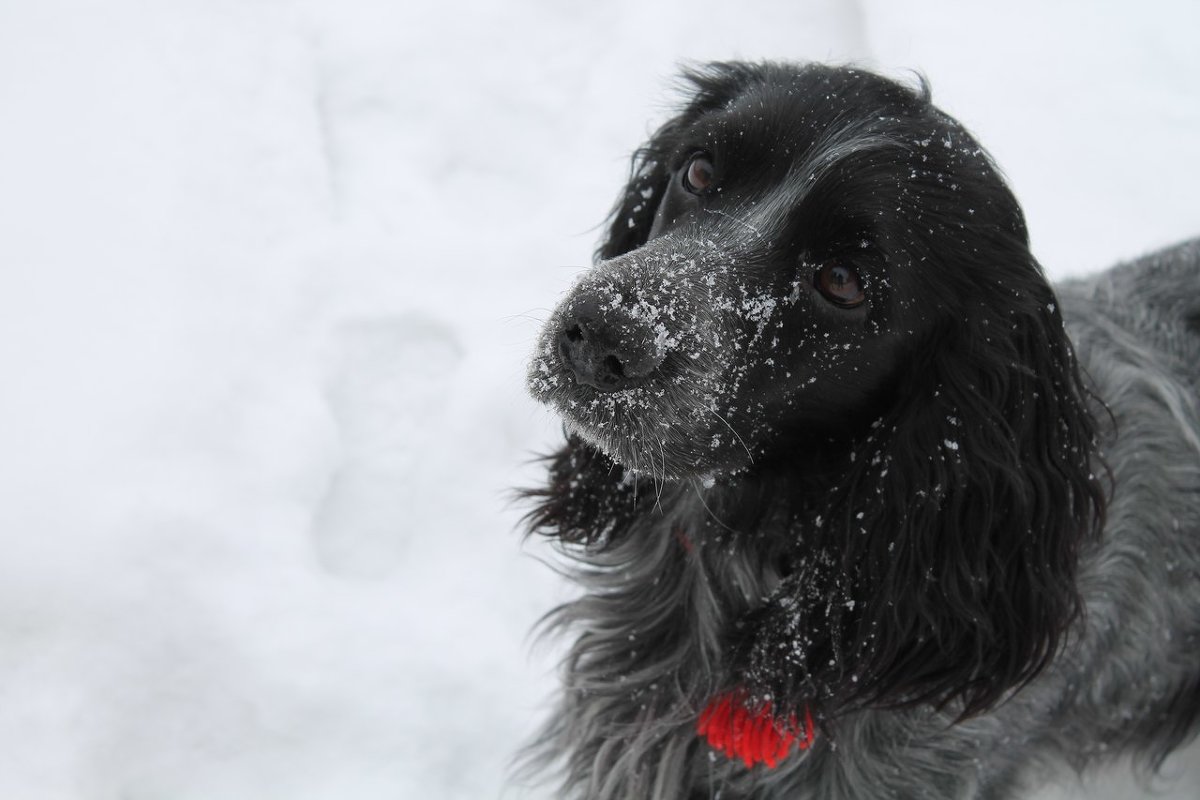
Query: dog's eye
x: 698, y: 177
x: 840, y: 284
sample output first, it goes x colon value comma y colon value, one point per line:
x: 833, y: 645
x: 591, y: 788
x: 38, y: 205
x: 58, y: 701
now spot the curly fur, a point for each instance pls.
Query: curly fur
x: 959, y: 522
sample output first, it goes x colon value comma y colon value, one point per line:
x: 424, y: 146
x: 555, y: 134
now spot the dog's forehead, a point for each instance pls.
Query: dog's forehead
x: 807, y: 95
x: 796, y: 111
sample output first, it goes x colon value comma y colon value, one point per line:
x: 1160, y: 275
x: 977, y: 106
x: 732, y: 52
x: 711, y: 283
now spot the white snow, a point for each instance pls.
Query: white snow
x: 270, y: 273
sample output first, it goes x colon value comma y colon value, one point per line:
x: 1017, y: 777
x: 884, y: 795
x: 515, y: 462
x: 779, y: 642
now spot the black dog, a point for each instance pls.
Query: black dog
x: 848, y: 520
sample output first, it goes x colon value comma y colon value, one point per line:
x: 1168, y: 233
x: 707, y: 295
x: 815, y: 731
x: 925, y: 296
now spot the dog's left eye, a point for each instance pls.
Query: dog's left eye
x: 698, y: 176
x: 840, y: 284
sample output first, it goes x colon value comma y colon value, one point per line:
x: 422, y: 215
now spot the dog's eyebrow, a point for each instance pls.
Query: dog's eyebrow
x: 738, y: 220
x: 765, y: 216
x: 833, y: 148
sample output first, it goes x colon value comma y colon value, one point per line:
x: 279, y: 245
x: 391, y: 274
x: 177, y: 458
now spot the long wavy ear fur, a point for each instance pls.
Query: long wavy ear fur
x: 964, y: 516
x: 996, y: 483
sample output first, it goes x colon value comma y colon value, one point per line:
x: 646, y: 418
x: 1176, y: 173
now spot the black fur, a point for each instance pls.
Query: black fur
x: 877, y: 509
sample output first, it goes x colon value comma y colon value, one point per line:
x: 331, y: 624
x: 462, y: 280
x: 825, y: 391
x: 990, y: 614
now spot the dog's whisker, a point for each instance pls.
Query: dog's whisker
x: 527, y: 317
x: 699, y: 489
x: 741, y: 222
x: 655, y: 470
x: 749, y: 455
x: 633, y: 459
x: 663, y: 467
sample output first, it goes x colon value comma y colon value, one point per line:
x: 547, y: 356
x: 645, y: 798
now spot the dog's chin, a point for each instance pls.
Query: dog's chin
x: 638, y: 440
x: 657, y: 459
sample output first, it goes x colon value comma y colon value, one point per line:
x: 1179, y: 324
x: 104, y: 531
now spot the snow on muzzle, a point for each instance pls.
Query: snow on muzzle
x: 605, y: 346
x: 637, y: 355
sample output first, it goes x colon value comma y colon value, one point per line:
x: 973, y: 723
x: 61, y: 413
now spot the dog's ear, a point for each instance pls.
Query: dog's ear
x: 943, y: 568
x: 633, y: 215
x: 706, y: 87
x: 985, y: 482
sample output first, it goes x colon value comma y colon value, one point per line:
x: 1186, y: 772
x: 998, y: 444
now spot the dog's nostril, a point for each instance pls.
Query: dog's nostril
x: 614, y: 366
x: 607, y: 351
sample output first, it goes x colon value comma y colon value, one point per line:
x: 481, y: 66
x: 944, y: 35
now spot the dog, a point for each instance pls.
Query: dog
x: 859, y: 506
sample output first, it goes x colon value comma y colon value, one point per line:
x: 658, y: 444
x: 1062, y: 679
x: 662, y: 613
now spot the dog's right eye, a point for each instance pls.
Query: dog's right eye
x: 698, y: 176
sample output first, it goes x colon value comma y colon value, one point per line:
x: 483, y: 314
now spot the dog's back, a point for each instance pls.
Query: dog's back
x: 1136, y: 330
x: 1156, y: 299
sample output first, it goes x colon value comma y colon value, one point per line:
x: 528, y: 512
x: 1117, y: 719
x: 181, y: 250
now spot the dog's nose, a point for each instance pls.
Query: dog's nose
x: 608, y: 348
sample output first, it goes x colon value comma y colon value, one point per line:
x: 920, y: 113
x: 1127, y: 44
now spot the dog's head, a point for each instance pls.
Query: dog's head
x: 786, y: 248
x: 814, y: 273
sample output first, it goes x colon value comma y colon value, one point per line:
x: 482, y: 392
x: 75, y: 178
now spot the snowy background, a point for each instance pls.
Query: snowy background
x: 269, y: 272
